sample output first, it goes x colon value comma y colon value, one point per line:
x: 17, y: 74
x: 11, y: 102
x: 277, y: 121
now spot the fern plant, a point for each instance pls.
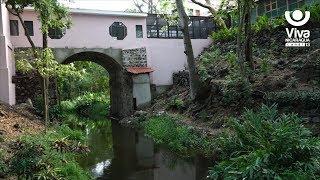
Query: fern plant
x: 266, y: 145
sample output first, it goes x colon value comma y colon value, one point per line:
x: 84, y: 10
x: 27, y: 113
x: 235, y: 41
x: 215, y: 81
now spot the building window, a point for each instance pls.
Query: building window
x: 190, y: 12
x: 118, y: 30
x: 197, y: 12
x: 139, y: 31
x: 55, y: 33
x: 29, y: 26
x: 14, y: 28
x: 200, y: 27
x: 271, y: 5
x: 296, y: 4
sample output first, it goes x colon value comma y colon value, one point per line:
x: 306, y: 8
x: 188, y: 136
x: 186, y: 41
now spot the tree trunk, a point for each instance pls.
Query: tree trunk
x: 218, y: 20
x: 46, y: 85
x: 27, y: 34
x: 14, y: 12
x: 244, y: 39
x: 248, y: 34
x: 193, y: 75
x: 239, y: 38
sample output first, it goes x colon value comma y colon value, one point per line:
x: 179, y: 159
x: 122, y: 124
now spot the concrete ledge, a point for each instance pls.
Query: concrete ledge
x: 4, y: 85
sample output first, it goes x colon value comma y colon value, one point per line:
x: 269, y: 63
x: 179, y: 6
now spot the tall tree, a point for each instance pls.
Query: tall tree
x: 208, y: 5
x: 194, y: 77
x: 244, y: 39
x: 51, y: 15
x: 145, y: 6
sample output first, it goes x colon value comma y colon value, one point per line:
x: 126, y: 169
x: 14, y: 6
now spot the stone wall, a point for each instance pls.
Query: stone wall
x: 134, y: 57
x: 181, y: 78
x: 28, y: 86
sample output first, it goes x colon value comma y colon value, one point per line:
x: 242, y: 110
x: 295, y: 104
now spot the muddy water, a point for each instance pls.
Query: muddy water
x: 120, y: 153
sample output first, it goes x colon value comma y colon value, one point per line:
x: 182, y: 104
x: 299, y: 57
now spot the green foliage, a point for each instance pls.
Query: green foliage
x: 265, y: 67
x: 314, y: 11
x: 3, y: 166
x: 237, y: 87
x: 93, y: 105
x: 207, y: 61
x: 307, y: 99
x: 262, y: 23
x: 94, y: 79
x: 180, y: 138
x: 266, y: 145
x: 24, y: 162
x: 176, y: 104
x: 49, y: 155
x: 225, y: 35
x: 45, y: 65
x: 265, y: 23
x: 50, y: 12
x: 292, y: 83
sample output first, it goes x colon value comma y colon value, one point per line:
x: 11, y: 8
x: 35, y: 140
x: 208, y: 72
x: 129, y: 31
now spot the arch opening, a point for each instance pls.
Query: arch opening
x: 120, y: 83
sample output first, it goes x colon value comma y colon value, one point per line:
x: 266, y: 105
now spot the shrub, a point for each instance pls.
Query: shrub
x: 92, y: 104
x: 176, y: 104
x: 314, y: 11
x: 50, y: 155
x: 265, y: 23
x: 225, y: 35
x: 3, y: 166
x: 309, y: 99
x: 25, y: 162
x: 266, y: 145
x: 237, y: 87
x: 265, y: 67
x: 262, y: 23
x: 206, y: 63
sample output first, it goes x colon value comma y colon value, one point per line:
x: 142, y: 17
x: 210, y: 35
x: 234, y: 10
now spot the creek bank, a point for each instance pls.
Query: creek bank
x: 28, y: 151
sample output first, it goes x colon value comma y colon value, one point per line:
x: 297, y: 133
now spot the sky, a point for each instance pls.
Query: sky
x: 114, y: 5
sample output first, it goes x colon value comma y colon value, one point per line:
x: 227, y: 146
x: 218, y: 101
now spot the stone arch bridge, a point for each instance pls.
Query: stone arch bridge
x: 128, y: 89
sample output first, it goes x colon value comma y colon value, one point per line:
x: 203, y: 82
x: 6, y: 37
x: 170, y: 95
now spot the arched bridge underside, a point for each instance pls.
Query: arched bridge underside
x: 121, y: 85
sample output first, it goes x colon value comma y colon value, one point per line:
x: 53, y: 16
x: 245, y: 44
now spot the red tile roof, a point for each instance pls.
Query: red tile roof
x: 139, y: 70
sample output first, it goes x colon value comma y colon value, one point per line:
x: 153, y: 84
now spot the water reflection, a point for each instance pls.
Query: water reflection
x: 119, y: 153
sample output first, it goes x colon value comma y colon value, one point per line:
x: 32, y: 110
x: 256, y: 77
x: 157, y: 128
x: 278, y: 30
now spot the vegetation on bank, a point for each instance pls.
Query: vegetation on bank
x: 267, y: 145
x: 165, y: 130
x: 259, y: 144
x: 49, y: 155
x: 93, y: 105
x: 54, y: 153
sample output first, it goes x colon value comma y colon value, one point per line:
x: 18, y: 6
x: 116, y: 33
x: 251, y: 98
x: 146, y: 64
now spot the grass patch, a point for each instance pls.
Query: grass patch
x: 165, y: 130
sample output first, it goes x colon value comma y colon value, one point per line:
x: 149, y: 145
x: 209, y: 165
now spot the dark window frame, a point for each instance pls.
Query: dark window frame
x: 118, y: 30
x: 202, y: 31
x: 270, y: 4
x: 55, y: 33
x: 139, y: 31
x: 31, y: 30
x: 14, y: 23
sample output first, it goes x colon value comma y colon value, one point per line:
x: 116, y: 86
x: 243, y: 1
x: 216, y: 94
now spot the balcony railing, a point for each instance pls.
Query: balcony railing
x: 199, y: 27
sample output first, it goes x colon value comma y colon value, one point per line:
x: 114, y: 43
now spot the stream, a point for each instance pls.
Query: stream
x: 121, y: 153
